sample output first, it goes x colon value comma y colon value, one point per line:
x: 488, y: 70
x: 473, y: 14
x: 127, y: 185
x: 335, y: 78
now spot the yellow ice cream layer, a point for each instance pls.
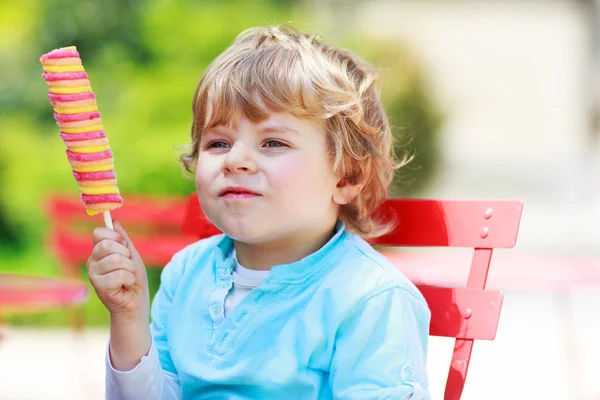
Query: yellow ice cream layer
x: 63, y: 68
x: 90, y: 149
x: 97, y: 208
x: 70, y: 89
x: 84, y: 129
x: 94, y: 168
x: 76, y: 110
x: 99, y: 190
x: 97, y: 183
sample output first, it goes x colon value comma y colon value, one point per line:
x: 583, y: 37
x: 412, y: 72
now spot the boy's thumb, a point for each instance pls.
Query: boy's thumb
x: 129, y: 244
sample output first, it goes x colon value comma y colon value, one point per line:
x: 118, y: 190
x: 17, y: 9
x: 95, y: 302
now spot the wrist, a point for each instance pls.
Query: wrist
x: 129, y: 319
x: 130, y: 340
x: 126, y: 331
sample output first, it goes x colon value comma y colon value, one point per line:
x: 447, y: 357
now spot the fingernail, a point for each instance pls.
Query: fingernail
x: 124, y: 243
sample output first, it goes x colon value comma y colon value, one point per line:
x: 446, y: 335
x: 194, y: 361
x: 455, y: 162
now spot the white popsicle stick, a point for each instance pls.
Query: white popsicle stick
x: 108, y: 220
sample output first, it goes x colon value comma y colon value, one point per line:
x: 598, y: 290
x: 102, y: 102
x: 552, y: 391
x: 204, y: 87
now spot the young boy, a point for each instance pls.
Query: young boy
x: 292, y: 153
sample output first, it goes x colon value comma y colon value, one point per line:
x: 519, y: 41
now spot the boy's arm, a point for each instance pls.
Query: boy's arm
x: 381, y: 349
x: 147, y: 379
x: 155, y: 377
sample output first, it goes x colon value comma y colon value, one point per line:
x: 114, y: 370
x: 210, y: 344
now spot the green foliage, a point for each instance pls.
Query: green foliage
x: 414, y: 118
x: 144, y: 59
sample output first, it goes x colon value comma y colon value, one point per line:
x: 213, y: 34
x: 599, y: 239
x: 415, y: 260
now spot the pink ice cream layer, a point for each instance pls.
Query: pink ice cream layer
x: 101, y: 198
x: 60, y: 53
x: 93, y: 176
x: 71, y: 137
x: 64, y: 76
x: 89, y: 156
x: 76, y: 117
x: 71, y: 97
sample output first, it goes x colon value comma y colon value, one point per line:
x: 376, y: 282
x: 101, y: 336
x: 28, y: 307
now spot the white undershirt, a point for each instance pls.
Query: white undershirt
x: 244, y: 280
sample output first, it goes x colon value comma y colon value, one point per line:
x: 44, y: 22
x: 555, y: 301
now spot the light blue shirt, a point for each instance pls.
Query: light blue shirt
x: 341, y: 323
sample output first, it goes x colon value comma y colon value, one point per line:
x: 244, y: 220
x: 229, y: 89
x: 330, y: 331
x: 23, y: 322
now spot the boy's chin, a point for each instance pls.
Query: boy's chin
x: 251, y: 236
x: 241, y: 232
x: 246, y: 237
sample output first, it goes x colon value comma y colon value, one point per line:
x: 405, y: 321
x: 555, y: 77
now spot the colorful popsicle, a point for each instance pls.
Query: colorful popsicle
x: 76, y: 113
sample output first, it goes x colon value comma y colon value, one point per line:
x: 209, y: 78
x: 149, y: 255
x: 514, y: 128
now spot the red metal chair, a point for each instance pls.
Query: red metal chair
x: 26, y: 294
x: 154, y: 225
x: 467, y: 313
x: 21, y: 294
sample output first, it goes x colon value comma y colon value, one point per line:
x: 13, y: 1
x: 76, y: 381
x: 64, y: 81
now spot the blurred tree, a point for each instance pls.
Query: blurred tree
x: 415, y: 123
x: 90, y: 24
x: 144, y: 59
x: 414, y: 116
x: 9, y: 238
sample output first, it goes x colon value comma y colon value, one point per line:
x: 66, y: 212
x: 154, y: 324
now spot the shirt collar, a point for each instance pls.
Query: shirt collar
x: 290, y: 273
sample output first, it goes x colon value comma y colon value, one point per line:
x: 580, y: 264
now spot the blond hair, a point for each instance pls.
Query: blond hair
x: 278, y: 69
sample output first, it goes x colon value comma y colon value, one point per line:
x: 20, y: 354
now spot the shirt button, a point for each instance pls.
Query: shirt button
x: 409, y: 373
x: 215, y: 308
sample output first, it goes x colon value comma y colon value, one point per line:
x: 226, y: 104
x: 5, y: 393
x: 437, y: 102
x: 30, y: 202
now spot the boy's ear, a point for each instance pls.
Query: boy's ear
x: 345, y: 192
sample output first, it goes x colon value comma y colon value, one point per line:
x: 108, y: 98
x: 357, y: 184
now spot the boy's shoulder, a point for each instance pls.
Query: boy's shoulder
x: 362, y: 272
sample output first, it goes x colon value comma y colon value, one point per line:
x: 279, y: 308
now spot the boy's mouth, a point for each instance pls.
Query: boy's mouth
x: 237, y: 192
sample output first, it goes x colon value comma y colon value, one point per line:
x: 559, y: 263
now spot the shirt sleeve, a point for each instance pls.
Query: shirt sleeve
x: 155, y: 377
x: 161, y: 309
x: 381, y: 349
x: 146, y: 381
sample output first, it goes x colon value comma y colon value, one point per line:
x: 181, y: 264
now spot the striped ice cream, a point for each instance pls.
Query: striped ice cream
x: 76, y: 113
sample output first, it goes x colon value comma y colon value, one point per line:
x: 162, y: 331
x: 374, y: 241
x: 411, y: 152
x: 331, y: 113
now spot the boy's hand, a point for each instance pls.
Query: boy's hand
x: 118, y: 274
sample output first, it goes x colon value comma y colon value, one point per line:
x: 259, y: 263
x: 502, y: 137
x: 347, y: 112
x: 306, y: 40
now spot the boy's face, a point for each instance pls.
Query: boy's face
x: 267, y: 181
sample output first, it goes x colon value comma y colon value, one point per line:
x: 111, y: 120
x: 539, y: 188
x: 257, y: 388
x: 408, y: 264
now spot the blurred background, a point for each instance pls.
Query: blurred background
x: 497, y: 99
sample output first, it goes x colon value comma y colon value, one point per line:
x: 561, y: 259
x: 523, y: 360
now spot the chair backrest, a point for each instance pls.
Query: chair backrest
x: 467, y: 313
x: 21, y: 294
x: 154, y: 224
x: 471, y: 312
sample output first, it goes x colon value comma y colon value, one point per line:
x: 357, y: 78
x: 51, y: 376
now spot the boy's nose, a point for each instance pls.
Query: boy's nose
x: 239, y: 159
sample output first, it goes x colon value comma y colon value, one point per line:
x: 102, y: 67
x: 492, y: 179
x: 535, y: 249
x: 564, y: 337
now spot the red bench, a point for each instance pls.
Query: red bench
x: 467, y: 313
x: 154, y: 225
x: 26, y: 294
x: 22, y: 294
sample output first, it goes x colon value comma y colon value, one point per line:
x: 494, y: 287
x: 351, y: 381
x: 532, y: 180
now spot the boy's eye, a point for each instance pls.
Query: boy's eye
x: 217, y: 145
x: 274, y: 143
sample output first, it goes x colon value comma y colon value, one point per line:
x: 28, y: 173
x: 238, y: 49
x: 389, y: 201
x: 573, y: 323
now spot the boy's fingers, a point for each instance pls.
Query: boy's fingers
x: 106, y: 247
x: 110, y: 263
x: 105, y: 233
x: 115, y: 280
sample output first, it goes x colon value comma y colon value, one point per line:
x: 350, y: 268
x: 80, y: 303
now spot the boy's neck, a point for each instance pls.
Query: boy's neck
x: 285, y: 250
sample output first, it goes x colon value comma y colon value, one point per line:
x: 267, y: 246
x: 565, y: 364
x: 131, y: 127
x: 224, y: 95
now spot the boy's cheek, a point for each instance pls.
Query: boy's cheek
x: 290, y: 180
x: 204, y: 171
